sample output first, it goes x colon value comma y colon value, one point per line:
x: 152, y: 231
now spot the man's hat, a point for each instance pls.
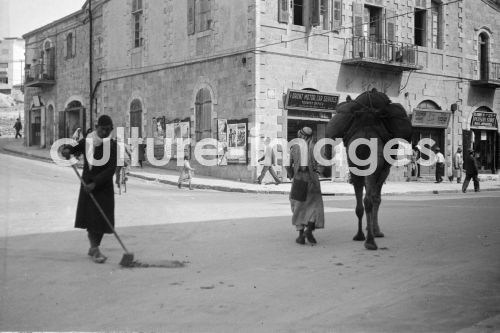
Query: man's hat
x: 438, y: 149
x: 307, y: 131
x: 104, y: 120
x: 459, y: 149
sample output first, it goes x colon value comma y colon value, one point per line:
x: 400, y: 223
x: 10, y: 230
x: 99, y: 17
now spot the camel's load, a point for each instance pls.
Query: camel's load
x: 390, y: 117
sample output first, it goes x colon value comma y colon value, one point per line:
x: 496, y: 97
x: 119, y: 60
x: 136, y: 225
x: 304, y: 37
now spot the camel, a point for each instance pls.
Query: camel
x: 370, y: 115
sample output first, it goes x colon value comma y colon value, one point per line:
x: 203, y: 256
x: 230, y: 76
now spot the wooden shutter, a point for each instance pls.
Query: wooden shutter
x: 283, y: 13
x: 390, y: 25
x: 315, y: 12
x: 357, y: 17
x: 337, y: 14
x: 62, y: 125
x: 190, y: 17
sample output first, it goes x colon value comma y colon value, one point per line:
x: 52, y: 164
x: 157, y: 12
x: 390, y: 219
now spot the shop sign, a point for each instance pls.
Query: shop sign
x: 484, y: 120
x: 310, y: 100
x: 430, y: 118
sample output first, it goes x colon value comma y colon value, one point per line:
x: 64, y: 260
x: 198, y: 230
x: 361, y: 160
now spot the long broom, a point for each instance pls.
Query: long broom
x: 128, y: 257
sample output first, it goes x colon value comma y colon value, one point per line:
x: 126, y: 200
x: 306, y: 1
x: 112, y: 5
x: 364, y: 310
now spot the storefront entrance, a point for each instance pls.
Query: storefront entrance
x: 484, y: 139
x: 70, y: 120
x: 35, y: 127
x: 319, y: 130
x: 434, y: 134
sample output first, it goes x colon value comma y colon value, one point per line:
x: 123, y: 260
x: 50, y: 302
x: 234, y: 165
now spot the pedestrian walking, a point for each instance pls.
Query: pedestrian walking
x: 458, y: 164
x: 439, y: 165
x: 126, y: 162
x: 142, y: 152
x: 471, y: 169
x: 411, y: 168
x: 99, y: 182
x: 269, y: 159
x: 305, y: 196
x: 186, y: 173
x: 18, y: 127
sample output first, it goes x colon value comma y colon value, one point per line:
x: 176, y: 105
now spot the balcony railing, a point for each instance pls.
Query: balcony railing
x: 489, y: 75
x: 40, y: 75
x: 383, y: 54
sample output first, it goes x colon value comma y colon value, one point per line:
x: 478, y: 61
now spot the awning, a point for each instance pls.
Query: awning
x: 430, y: 118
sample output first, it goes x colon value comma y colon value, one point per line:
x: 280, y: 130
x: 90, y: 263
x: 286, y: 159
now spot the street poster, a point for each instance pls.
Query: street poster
x: 237, y: 141
x: 222, y: 139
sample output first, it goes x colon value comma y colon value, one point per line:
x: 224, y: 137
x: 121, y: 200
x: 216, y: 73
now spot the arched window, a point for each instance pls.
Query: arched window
x: 203, y: 109
x: 483, y: 49
x: 69, y: 45
x: 136, y: 116
x: 428, y: 105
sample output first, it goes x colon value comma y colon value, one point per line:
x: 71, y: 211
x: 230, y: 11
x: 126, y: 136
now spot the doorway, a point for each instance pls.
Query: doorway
x: 35, y: 124
x: 435, y: 134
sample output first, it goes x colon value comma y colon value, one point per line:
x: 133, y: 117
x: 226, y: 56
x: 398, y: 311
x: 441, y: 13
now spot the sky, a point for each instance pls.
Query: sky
x: 28, y: 15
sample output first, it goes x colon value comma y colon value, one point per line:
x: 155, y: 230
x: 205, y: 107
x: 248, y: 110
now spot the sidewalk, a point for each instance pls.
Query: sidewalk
x: 170, y: 177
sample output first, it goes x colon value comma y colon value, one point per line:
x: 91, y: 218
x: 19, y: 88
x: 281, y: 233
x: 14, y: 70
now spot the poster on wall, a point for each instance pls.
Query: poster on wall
x: 159, y: 130
x: 237, y: 141
x: 222, y: 142
x: 178, y: 130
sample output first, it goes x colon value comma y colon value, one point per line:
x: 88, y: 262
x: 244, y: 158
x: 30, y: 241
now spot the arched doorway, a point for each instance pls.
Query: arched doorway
x: 483, y: 49
x: 71, y: 118
x: 49, y: 126
x: 136, y: 116
x: 429, y: 122
x: 483, y: 138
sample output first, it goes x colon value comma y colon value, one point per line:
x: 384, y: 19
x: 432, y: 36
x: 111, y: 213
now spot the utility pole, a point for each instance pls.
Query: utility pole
x: 91, y: 94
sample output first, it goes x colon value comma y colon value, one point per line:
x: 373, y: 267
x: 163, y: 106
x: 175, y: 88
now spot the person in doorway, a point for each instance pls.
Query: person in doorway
x: 471, y: 169
x: 99, y: 182
x: 458, y: 164
x: 126, y: 162
x: 305, y: 197
x: 186, y: 173
x: 269, y: 159
x: 18, y: 127
x: 439, y: 165
x: 417, y: 150
x: 77, y: 136
x: 88, y: 132
x: 142, y: 152
x: 412, y: 166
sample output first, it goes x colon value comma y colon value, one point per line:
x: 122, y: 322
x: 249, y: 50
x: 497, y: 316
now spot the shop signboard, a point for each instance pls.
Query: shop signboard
x: 484, y: 120
x: 310, y: 100
x: 430, y: 118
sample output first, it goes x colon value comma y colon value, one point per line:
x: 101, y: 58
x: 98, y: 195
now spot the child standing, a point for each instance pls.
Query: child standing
x: 186, y: 173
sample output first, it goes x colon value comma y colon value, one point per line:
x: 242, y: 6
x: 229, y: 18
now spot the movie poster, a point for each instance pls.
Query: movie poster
x: 222, y: 139
x: 237, y: 141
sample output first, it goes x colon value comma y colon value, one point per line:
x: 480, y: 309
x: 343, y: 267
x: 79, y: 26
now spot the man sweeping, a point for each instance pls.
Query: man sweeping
x: 98, y: 178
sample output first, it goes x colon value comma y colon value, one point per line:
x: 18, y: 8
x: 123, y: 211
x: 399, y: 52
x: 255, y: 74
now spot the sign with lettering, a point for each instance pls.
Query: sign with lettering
x: 430, y: 118
x: 310, y: 100
x: 484, y: 120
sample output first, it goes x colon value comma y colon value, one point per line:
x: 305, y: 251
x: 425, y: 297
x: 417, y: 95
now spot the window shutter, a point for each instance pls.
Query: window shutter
x: 283, y: 13
x: 357, y: 10
x: 190, y: 17
x: 390, y: 28
x: 315, y: 12
x: 73, y: 52
x: 337, y: 14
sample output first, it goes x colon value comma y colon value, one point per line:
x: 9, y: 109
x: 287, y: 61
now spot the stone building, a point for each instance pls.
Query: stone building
x: 57, y: 76
x: 241, y: 71
x: 11, y: 64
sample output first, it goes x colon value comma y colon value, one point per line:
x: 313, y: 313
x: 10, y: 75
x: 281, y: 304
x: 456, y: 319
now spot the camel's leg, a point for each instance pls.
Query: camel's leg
x: 377, y: 199
x: 358, y: 190
x: 370, y: 239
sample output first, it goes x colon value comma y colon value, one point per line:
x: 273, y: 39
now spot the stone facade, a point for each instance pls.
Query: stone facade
x: 248, y: 53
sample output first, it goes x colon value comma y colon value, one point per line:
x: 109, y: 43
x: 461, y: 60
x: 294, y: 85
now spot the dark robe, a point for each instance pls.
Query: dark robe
x: 87, y: 214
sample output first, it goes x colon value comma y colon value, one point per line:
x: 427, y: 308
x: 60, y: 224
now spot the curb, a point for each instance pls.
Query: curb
x: 242, y: 190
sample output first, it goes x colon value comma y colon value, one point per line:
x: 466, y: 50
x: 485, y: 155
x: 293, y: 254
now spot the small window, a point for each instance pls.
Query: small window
x: 203, y: 19
x: 137, y: 21
x: 69, y: 45
x: 437, y: 34
x: 420, y: 19
x: 298, y: 12
x: 4, y: 65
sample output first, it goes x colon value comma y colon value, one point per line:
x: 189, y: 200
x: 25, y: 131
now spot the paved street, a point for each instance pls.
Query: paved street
x: 437, y: 270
